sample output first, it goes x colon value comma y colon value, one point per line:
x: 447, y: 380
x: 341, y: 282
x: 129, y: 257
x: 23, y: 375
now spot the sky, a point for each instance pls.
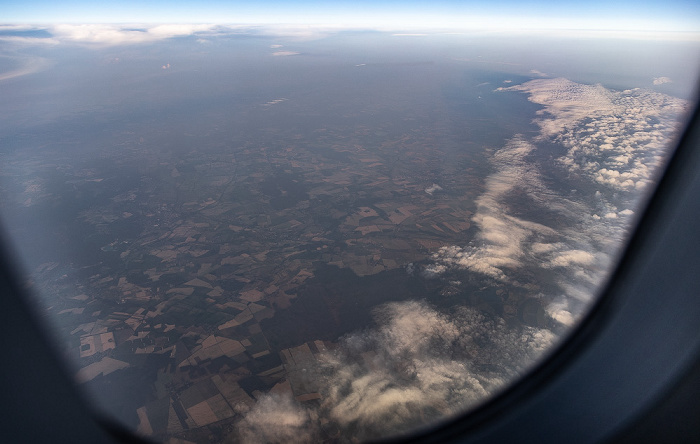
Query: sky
x: 639, y: 15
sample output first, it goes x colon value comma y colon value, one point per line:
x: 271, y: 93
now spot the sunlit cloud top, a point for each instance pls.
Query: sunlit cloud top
x: 641, y: 15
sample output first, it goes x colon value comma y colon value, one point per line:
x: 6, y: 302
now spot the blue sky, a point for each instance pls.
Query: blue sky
x: 670, y: 15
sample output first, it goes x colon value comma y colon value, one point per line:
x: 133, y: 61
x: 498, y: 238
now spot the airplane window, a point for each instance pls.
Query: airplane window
x: 285, y: 227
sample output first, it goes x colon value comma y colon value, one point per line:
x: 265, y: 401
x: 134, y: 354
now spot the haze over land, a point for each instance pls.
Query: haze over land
x: 249, y: 233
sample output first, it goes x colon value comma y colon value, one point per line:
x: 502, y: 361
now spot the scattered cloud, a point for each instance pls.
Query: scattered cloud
x: 572, y: 257
x: 662, y: 80
x: 416, y: 365
x: 505, y: 242
x: 275, y: 102
x: 168, y: 31
x: 111, y: 34
x: 433, y: 188
x: 277, y: 419
x: 617, y: 138
x: 615, y: 141
x: 566, y: 102
x: 284, y: 53
x: 559, y: 311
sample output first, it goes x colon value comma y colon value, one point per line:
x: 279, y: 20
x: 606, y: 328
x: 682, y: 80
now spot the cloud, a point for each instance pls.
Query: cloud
x: 432, y: 270
x: 614, y: 141
x: 277, y: 419
x: 108, y: 35
x: 572, y: 257
x: 18, y: 27
x: 559, y: 311
x: 416, y: 365
x: 284, y: 53
x: 504, y: 241
x: 30, y: 66
x: 616, y: 138
x: 275, y: 102
x: 662, y: 80
x: 105, y: 34
x: 510, y: 249
x: 30, y: 41
x: 566, y: 102
x: 419, y: 364
x: 433, y: 188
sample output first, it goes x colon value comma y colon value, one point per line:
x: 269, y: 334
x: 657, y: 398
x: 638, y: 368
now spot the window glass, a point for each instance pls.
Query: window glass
x: 324, y: 233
